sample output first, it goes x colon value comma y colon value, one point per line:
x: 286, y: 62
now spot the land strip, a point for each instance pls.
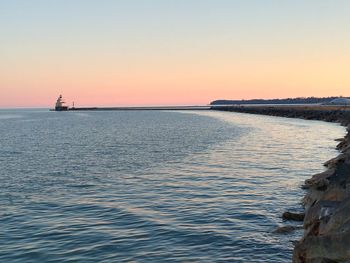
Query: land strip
x: 140, y: 108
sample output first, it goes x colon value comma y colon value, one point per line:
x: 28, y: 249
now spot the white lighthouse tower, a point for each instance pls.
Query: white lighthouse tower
x: 60, y: 104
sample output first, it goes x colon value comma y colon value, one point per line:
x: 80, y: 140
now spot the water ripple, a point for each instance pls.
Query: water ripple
x: 153, y: 186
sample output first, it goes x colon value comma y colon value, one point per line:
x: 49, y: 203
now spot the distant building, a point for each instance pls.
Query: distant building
x: 339, y: 102
x: 60, y: 104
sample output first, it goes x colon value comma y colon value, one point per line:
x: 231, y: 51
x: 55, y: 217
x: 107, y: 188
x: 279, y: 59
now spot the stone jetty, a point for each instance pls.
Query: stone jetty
x: 326, y: 220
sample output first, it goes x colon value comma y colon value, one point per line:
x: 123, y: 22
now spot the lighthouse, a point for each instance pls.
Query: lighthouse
x: 60, y: 104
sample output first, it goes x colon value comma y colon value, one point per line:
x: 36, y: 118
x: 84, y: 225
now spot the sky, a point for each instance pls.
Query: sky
x: 171, y: 52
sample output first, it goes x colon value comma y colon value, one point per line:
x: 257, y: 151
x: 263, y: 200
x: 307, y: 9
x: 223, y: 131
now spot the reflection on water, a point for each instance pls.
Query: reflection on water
x: 153, y: 186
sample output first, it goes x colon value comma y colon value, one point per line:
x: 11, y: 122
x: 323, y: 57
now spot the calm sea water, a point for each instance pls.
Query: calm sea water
x: 153, y: 186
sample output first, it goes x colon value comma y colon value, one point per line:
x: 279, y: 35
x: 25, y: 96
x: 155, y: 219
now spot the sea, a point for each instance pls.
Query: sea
x: 154, y: 186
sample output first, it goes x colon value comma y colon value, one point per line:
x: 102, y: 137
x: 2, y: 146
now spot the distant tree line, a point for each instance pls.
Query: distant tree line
x: 308, y: 100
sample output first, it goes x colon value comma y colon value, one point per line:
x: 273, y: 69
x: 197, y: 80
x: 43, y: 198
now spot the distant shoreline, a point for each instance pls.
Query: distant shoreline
x: 327, y: 201
x: 140, y: 108
x: 328, y: 113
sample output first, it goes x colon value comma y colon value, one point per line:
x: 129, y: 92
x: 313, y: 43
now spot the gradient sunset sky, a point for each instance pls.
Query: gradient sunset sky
x: 158, y: 52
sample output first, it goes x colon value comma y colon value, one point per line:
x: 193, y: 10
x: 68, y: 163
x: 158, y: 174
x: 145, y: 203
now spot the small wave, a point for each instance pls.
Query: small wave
x: 81, y: 185
x: 10, y: 116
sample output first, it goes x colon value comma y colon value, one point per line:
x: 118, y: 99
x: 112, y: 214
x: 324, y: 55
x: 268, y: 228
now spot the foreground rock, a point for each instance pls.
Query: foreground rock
x: 327, y: 215
x: 327, y: 202
x: 293, y: 216
x: 285, y: 229
x: 325, y: 237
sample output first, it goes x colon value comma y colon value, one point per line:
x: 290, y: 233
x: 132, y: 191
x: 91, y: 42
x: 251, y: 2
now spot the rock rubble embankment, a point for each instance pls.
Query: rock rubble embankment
x: 327, y: 202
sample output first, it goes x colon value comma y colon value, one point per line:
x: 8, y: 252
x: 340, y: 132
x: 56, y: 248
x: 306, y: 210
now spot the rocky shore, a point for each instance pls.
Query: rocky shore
x: 326, y: 220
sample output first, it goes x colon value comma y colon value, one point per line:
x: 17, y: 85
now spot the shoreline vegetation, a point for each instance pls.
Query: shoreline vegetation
x: 326, y: 220
x: 287, y: 101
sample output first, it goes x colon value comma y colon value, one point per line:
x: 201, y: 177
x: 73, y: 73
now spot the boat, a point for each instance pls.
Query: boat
x: 60, y: 104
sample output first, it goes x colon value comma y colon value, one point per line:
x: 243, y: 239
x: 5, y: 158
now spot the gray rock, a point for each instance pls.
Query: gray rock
x: 293, y: 216
x: 286, y: 229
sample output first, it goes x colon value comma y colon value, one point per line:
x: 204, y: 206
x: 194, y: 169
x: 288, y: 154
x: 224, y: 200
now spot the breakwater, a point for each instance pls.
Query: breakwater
x: 326, y: 220
x: 172, y: 108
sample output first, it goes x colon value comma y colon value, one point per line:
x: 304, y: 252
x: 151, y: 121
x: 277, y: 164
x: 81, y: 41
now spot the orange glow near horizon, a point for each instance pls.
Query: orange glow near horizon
x: 152, y: 57
x: 174, y: 84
